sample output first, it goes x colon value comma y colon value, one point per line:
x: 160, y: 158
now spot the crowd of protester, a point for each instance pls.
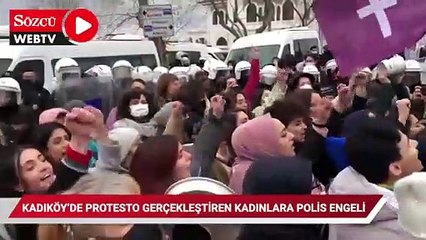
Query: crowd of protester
x: 285, y: 132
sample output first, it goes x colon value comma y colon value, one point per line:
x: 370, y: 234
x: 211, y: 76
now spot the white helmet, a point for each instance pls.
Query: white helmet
x: 66, y: 68
x: 180, y: 72
x: 313, y: 70
x: 122, y: 63
x: 143, y: 72
x: 240, y: 67
x: 331, y: 65
x: 157, y: 72
x: 183, y: 58
x: 214, y: 67
x: 122, y: 69
x: 8, y: 84
x: 100, y: 70
x: 269, y: 74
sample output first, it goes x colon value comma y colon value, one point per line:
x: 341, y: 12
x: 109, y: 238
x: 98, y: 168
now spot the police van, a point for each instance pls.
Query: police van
x: 42, y: 59
x: 294, y: 41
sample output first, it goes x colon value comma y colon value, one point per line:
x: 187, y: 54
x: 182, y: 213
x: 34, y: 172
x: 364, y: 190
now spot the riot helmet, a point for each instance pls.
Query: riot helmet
x: 157, y: 72
x: 143, y: 72
x: 122, y: 69
x: 67, y: 68
x: 10, y: 92
x: 99, y: 71
x: 313, y: 70
x: 242, y: 72
x: 183, y: 59
x: 242, y: 69
x: 269, y: 75
x: 216, y: 69
x: 181, y: 73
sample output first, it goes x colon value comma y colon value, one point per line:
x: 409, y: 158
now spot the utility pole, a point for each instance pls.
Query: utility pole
x: 158, y: 41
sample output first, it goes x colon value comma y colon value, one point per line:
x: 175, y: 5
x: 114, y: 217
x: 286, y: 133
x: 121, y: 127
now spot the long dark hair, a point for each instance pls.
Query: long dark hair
x: 42, y: 136
x: 9, y: 172
x: 123, y: 108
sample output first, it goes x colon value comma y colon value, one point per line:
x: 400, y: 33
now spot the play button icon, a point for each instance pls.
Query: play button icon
x: 81, y: 25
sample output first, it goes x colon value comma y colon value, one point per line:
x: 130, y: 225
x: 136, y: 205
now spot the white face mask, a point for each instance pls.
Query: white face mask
x: 139, y: 110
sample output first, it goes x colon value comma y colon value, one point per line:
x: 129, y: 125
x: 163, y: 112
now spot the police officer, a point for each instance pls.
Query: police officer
x: 122, y: 74
x: 66, y: 68
x: 20, y: 119
x: 182, y: 59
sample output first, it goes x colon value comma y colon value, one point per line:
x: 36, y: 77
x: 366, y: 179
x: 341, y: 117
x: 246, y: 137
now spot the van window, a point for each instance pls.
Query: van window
x: 135, y: 60
x: 286, y: 51
x: 36, y: 66
x: 194, y: 57
x: 303, y: 46
x: 4, y: 65
x: 267, y: 53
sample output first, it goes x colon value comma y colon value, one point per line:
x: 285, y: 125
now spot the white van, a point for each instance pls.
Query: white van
x: 4, y: 32
x: 281, y: 43
x: 194, y: 51
x: 42, y: 59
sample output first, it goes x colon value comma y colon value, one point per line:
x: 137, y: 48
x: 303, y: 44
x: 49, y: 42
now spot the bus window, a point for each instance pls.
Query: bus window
x: 267, y: 53
x: 303, y: 46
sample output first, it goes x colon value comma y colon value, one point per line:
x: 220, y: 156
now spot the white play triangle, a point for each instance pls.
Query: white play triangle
x: 81, y: 25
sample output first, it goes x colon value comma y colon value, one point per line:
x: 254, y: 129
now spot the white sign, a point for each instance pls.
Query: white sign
x: 157, y: 21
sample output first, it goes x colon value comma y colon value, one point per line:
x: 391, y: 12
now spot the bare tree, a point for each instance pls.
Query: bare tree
x: 305, y: 12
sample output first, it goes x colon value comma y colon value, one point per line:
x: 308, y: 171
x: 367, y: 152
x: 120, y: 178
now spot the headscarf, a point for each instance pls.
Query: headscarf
x: 255, y: 139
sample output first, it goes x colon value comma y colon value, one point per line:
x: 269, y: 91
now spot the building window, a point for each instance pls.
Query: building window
x: 288, y: 10
x: 278, y: 13
x: 251, y: 13
x: 215, y: 18
x: 221, y: 42
x: 221, y: 16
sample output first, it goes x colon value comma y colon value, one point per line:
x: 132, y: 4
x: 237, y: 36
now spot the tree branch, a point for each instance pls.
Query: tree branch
x: 269, y: 15
x: 223, y: 24
x: 298, y: 13
x: 238, y: 19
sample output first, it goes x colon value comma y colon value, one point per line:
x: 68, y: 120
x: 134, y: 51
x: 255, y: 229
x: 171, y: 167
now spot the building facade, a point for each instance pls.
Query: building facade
x: 250, y: 13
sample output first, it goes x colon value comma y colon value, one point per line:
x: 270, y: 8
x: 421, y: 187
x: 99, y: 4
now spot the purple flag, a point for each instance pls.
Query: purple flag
x: 364, y: 32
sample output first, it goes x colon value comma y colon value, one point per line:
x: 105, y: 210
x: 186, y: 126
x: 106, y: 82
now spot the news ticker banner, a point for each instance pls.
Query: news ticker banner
x: 52, y: 26
x: 191, y: 209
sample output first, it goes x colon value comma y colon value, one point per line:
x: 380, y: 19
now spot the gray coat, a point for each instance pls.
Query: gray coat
x: 384, y: 226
